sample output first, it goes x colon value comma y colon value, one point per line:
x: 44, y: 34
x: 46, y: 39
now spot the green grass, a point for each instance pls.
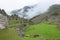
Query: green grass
x: 13, y: 23
x: 45, y: 30
x: 8, y: 34
x: 11, y: 34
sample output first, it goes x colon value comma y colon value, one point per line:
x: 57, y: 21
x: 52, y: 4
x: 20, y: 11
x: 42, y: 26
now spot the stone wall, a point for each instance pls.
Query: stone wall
x: 3, y: 21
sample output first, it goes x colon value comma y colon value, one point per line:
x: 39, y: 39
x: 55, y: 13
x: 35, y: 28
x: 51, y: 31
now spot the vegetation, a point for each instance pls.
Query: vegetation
x: 44, y: 29
x: 54, y: 8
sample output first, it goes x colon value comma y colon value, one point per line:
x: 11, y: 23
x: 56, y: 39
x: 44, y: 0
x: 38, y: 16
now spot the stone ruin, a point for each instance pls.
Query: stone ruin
x: 3, y: 21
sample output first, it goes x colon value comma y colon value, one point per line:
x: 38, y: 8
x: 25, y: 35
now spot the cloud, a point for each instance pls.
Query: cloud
x: 9, y: 5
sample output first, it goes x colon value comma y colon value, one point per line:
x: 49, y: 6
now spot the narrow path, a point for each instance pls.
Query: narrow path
x: 21, y: 33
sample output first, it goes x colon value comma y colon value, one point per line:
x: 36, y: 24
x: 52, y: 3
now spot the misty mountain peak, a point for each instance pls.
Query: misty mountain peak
x: 31, y: 11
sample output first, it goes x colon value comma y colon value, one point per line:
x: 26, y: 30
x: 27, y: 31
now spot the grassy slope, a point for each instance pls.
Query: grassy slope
x: 45, y: 30
x: 13, y: 23
x: 8, y: 34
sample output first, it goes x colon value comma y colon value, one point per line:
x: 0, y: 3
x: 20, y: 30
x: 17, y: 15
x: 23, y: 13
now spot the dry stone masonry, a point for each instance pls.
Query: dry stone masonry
x: 3, y: 21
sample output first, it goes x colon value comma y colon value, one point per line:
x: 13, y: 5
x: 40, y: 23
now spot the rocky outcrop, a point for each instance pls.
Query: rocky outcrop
x: 39, y: 19
x: 3, y: 21
x: 53, y: 17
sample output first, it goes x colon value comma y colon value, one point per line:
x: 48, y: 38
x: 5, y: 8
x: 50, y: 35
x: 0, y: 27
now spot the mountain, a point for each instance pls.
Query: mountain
x: 2, y: 11
x: 52, y: 15
x: 54, y: 8
x: 30, y: 11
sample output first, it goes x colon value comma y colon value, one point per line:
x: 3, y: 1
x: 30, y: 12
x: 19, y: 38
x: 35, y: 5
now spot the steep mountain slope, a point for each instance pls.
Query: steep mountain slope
x: 31, y: 11
x: 52, y: 15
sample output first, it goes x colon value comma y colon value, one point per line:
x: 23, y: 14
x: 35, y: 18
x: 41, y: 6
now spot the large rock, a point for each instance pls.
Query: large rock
x: 3, y: 21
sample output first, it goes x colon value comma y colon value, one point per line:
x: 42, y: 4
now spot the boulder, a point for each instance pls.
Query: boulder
x: 36, y: 35
x: 27, y: 35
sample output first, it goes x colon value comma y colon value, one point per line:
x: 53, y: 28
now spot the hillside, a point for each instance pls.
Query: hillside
x: 52, y: 15
x: 45, y: 26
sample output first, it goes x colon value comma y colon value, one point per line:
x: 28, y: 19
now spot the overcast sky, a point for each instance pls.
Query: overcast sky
x: 9, y: 5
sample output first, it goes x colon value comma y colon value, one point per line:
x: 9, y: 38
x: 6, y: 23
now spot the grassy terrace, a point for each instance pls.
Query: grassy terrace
x: 45, y: 30
x: 8, y: 34
x: 13, y: 23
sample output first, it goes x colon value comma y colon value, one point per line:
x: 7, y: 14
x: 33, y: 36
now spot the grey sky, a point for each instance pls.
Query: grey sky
x: 9, y: 5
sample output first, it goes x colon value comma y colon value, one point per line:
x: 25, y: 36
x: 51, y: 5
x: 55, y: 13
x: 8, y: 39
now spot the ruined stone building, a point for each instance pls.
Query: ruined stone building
x: 3, y: 20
